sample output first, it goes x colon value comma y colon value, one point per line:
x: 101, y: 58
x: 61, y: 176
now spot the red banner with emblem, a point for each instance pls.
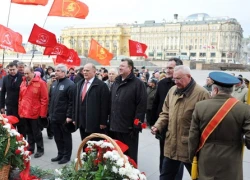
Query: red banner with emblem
x: 58, y: 49
x: 99, y: 53
x: 137, y: 48
x: 31, y: 2
x: 11, y: 40
x: 69, y: 8
x: 42, y: 37
x: 71, y: 60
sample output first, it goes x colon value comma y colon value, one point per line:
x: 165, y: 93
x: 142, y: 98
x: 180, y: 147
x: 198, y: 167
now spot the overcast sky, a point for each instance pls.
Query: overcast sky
x: 22, y: 17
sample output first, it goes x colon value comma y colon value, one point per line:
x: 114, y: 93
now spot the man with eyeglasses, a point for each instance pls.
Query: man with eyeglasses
x: 162, y: 89
x: 177, y: 115
x: 10, y: 96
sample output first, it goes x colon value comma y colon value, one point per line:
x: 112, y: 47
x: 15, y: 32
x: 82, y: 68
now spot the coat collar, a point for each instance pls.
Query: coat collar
x: 128, y: 78
x: 222, y: 96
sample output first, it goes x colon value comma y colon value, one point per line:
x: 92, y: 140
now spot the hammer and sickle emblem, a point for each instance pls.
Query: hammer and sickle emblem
x: 57, y: 50
x: 7, y: 39
x: 42, y: 38
x: 71, y: 56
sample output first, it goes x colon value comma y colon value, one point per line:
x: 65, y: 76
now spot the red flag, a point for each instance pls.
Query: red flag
x: 31, y: 2
x: 71, y: 60
x: 137, y: 48
x: 99, y: 53
x: 69, y: 8
x: 42, y: 37
x: 58, y: 49
x: 11, y: 40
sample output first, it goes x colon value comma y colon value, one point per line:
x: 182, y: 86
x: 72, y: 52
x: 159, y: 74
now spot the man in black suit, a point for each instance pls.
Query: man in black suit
x: 91, y: 103
x: 10, y: 89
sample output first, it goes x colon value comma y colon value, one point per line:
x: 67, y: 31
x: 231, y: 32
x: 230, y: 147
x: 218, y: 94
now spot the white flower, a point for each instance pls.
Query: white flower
x: 105, y: 167
x: 107, y: 155
x: 58, y: 179
x: 28, y: 158
x: 122, y: 171
x: 26, y: 153
x: 7, y: 126
x: 58, y: 171
x: 142, y: 177
x: 83, y: 155
x: 120, y: 162
x: 114, y: 169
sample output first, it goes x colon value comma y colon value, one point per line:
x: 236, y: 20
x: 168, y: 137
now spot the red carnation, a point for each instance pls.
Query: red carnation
x: 18, y: 151
x: 19, y: 138
x: 136, y: 122
x: 87, y: 150
x: 143, y: 125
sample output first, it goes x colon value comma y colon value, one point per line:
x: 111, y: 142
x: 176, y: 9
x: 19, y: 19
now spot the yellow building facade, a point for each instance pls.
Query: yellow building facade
x: 114, y: 38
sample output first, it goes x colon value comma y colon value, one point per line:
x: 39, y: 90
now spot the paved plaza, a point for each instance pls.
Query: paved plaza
x: 148, y: 155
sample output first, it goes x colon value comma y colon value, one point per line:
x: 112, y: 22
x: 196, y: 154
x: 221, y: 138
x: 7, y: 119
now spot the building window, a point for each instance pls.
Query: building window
x: 212, y: 54
x: 202, y: 54
x: 223, y: 55
x: 192, y: 54
x: 171, y: 54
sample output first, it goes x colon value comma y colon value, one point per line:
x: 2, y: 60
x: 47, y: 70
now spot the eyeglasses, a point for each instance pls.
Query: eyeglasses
x: 177, y: 79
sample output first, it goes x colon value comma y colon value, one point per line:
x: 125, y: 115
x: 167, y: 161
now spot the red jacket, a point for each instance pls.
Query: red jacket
x: 33, y: 99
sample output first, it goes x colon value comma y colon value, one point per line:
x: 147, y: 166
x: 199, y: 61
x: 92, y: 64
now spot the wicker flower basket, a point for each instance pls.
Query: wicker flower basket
x: 5, y: 171
x: 96, y: 135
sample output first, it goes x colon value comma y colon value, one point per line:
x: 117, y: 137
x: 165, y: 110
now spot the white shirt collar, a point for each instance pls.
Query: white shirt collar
x: 91, y: 80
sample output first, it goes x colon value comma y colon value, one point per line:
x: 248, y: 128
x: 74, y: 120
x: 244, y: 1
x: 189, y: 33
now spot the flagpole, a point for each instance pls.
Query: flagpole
x: 9, y: 14
x: 7, y: 26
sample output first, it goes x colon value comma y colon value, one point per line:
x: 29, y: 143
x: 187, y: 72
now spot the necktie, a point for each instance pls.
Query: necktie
x: 84, y: 90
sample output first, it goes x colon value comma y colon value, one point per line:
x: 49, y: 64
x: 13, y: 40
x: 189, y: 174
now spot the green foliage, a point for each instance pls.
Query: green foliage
x: 43, y: 174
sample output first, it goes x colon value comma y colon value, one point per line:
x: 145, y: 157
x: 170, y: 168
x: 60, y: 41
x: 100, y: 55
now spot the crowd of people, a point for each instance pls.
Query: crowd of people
x: 108, y: 101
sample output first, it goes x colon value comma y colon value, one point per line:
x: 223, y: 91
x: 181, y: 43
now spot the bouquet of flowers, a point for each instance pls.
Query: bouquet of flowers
x: 101, y: 160
x: 13, y: 147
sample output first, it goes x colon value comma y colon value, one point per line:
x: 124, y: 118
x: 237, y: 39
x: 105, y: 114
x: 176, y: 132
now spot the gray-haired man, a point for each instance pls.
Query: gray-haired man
x: 60, y: 113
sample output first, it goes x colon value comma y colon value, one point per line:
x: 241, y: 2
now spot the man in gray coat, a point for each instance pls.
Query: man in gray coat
x: 221, y: 155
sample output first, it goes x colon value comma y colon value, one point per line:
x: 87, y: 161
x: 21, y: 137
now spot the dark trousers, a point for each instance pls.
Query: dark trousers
x: 131, y: 140
x: 21, y: 125
x: 170, y: 169
x: 49, y: 130
x: 162, y: 143
x: 34, y: 135
x: 63, y: 140
x: 149, y: 117
x: 83, y: 133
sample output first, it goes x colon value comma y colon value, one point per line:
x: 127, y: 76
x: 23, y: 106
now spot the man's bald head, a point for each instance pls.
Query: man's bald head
x: 89, y: 71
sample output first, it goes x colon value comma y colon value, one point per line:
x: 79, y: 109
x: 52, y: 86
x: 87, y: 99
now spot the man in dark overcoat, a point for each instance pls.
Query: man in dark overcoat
x: 91, y: 103
x: 128, y: 102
